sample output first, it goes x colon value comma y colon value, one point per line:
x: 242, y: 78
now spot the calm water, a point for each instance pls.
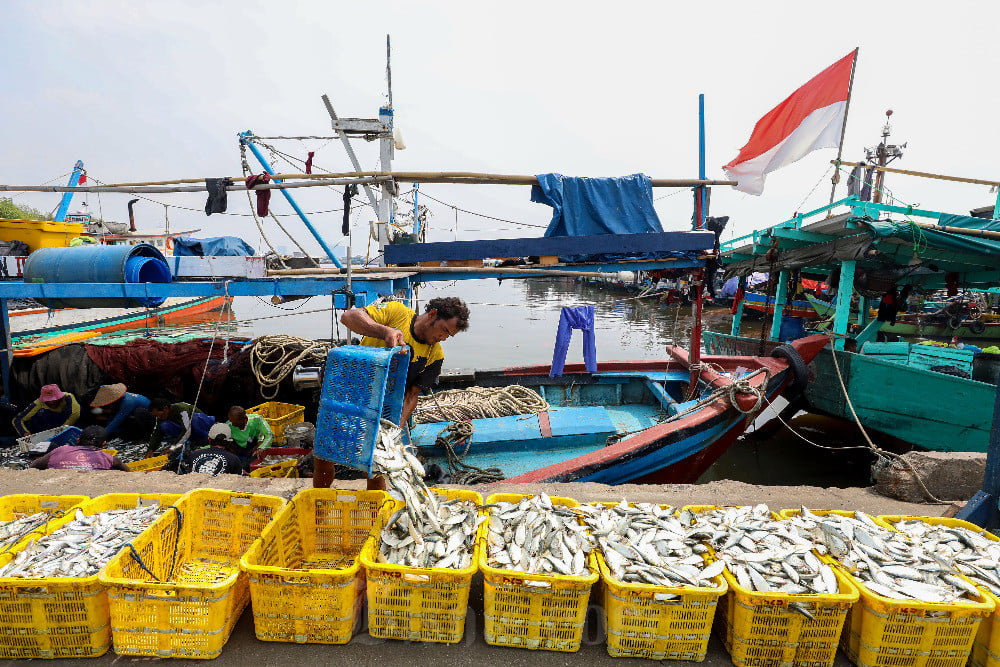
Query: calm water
x: 514, y: 322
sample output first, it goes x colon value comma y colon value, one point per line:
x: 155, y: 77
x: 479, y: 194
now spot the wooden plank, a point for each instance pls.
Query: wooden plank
x: 658, y: 243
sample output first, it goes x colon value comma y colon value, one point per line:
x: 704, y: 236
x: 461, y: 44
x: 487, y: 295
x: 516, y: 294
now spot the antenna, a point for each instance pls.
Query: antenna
x: 388, y: 67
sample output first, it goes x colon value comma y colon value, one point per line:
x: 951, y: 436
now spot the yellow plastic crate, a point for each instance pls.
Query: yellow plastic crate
x: 284, y: 469
x: 536, y: 611
x: 61, y: 617
x: 306, y: 584
x: 16, y: 506
x: 761, y: 629
x: 39, y: 233
x: 278, y: 416
x: 986, y: 644
x: 149, y: 464
x: 658, y: 622
x: 417, y: 603
x: 193, y: 593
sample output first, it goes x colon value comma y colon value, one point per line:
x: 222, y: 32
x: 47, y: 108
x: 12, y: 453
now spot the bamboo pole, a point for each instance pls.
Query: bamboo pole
x: 442, y: 269
x: 161, y: 189
x: 924, y: 174
x: 467, y: 177
x: 984, y: 233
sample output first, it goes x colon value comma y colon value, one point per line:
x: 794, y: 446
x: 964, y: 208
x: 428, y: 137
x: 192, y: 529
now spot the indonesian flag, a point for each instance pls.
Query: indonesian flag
x: 812, y: 117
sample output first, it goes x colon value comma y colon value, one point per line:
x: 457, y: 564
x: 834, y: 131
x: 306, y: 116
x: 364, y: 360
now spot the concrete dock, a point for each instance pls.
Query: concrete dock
x: 244, y: 650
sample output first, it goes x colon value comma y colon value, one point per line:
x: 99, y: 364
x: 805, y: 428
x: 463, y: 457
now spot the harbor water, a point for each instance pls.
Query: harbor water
x: 514, y: 322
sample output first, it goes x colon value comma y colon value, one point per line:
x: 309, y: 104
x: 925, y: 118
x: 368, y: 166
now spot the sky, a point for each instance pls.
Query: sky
x: 158, y: 90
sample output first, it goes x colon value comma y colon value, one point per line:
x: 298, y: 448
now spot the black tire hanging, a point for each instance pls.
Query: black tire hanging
x: 977, y: 326
x: 955, y: 322
x: 800, y: 372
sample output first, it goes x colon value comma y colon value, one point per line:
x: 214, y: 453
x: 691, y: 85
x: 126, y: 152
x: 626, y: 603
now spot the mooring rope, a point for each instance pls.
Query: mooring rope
x: 274, y: 357
x: 457, y: 405
x: 461, y: 472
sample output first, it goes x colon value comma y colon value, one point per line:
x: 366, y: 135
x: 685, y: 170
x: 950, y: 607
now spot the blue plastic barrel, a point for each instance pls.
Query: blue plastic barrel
x: 141, y: 263
x: 792, y: 328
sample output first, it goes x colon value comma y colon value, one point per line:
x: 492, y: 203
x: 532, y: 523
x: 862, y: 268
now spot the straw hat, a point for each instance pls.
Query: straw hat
x: 108, y: 393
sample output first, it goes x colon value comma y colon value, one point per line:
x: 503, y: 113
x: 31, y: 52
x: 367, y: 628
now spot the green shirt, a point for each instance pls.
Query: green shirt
x: 257, y: 427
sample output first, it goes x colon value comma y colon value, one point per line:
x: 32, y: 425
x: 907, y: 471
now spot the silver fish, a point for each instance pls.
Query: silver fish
x: 536, y: 536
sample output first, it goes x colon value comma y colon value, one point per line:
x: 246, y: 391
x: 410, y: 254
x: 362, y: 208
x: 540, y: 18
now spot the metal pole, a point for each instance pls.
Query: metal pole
x: 699, y: 222
x: 245, y: 139
x: 416, y: 213
x: 843, y: 127
x: 74, y: 179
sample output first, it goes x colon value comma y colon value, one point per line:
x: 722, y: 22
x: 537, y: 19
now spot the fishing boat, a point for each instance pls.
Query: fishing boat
x: 761, y: 305
x: 630, y: 421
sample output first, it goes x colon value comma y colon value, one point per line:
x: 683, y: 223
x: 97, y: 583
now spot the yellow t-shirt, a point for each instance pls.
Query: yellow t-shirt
x: 426, y: 360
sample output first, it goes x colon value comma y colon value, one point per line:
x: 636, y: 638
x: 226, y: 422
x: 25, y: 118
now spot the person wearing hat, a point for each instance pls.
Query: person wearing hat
x: 53, y: 408
x: 86, y: 454
x: 123, y: 414
x: 219, y: 457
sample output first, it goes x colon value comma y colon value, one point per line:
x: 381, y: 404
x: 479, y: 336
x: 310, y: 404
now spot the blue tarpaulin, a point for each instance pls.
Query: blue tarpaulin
x: 583, y: 206
x: 218, y: 246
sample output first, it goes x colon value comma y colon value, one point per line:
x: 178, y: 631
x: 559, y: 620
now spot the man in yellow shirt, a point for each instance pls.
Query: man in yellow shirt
x: 392, y: 325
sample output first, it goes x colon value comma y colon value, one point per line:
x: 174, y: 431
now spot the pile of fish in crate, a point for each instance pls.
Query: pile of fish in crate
x: 161, y: 575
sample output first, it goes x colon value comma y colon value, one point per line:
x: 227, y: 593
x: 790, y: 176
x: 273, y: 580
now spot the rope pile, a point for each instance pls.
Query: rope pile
x: 457, y: 405
x: 461, y: 472
x: 274, y: 357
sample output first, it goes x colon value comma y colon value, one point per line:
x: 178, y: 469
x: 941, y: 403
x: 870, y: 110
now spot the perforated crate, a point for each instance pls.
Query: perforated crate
x: 279, y: 416
x: 305, y: 579
x: 150, y: 464
x: 61, y: 617
x: 361, y: 386
x: 418, y: 603
x: 536, y: 611
x: 284, y: 469
x: 986, y: 643
x: 657, y: 622
x: 185, y: 591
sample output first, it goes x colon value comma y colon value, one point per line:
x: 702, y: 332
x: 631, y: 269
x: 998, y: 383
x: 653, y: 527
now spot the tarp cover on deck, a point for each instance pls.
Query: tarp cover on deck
x: 944, y: 240
x: 217, y: 246
x: 586, y: 206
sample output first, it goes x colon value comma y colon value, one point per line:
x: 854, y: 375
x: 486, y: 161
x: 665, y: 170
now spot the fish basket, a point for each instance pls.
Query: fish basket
x: 306, y: 584
x: 535, y: 611
x: 150, y: 464
x: 986, y: 644
x: 61, y: 617
x: 284, y: 469
x: 361, y: 386
x: 279, y: 416
x: 180, y: 591
x: 20, y: 505
x: 260, y: 461
x: 426, y: 604
x: 658, y: 622
x: 60, y: 435
x: 765, y: 630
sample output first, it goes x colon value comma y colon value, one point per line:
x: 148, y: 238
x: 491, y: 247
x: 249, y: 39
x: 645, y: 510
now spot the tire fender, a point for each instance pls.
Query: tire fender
x: 800, y: 373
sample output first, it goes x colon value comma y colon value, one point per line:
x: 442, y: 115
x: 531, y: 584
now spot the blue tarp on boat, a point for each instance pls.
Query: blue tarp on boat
x: 217, y: 246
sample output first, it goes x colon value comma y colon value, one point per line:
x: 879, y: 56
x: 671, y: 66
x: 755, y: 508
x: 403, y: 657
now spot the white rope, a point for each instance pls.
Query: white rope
x: 274, y: 357
x: 457, y: 405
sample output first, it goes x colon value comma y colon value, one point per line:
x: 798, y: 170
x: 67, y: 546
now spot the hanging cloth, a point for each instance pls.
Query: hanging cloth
x: 854, y: 181
x: 866, y: 189
x: 263, y: 196
x: 309, y: 162
x: 217, y: 200
x: 575, y: 317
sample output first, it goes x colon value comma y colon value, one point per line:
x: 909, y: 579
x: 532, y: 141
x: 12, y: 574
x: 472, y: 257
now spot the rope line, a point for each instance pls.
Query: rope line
x: 462, y: 472
x: 274, y: 357
x: 457, y: 405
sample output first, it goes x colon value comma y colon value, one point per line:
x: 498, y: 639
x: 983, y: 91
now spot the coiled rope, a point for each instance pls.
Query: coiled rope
x: 274, y: 357
x: 456, y: 405
x: 461, y: 472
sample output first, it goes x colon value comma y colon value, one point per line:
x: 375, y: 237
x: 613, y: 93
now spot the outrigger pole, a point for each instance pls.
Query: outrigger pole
x: 843, y: 127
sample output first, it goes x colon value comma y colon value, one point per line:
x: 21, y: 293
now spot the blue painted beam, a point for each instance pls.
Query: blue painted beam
x: 646, y: 265
x: 74, y: 179
x: 799, y: 235
x: 548, y: 246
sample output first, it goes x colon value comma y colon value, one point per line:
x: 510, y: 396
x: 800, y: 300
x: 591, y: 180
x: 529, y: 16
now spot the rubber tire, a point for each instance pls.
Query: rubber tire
x: 800, y: 373
x: 977, y: 326
x: 955, y: 322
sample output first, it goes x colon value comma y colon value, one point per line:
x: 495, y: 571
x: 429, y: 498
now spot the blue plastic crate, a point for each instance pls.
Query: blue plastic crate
x: 361, y: 386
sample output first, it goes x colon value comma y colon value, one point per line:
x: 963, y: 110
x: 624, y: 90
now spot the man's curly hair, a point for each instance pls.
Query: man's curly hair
x: 449, y: 307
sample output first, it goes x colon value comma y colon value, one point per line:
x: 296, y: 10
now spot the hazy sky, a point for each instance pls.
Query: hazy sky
x: 156, y: 90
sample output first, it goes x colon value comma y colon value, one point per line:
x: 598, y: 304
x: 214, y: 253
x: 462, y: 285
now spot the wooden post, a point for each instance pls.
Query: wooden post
x: 780, y: 299
x: 862, y: 311
x: 738, y: 315
x: 843, y: 313
x: 843, y: 127
x: 698, y: 281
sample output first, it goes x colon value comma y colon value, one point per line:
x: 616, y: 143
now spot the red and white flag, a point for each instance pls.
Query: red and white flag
x: 812, y: 117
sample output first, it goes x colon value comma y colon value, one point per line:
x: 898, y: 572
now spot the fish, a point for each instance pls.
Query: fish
x: 537, y: 536
x: 82, y: 546
x: 429, y: 531
x: 12, y: 531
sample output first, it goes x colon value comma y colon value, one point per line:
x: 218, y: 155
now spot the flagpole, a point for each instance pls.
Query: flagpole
x: 843, y: 127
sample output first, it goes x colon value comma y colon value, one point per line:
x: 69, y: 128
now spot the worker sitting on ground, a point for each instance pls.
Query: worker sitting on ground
x: 251, y: 432
x: 221, y: 456
x: 123, y: 414
x: 177, y: 423
x: 394, y: 325
x: 53, y: 408
x: 85, y: 455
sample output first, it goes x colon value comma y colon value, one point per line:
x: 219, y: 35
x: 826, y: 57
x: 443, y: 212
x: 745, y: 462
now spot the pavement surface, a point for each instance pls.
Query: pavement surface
x: 245, y: 650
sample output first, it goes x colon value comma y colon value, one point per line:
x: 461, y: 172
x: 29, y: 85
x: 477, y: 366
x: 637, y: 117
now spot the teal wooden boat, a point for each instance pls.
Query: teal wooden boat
x: 875, y: 247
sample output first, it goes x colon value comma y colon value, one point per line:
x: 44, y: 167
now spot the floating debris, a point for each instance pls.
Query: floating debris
x: 762, y: 553
x: 13, y: 530
x: 647, y: 544
x: 888, y: 563
x: 81, y: 547
x: 427, y: 531
x: 538, y: 537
